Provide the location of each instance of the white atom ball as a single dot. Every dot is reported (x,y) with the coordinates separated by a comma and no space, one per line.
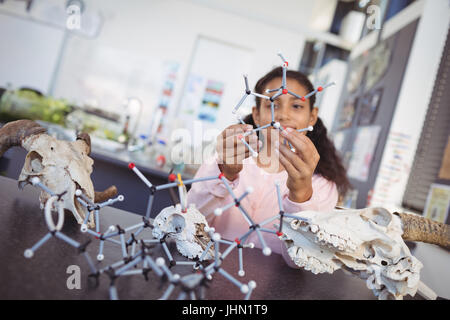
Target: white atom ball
(28,253)
(160,262)
(216,236)
(267,251)
(244,288)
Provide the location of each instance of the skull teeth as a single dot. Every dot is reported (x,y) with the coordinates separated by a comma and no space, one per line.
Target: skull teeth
(332,240)
(309,263)
(324,238)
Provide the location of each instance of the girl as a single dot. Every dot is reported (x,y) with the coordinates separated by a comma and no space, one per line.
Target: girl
(310,175)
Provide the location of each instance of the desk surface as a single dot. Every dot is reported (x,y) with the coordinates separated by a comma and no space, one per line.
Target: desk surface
(44,276)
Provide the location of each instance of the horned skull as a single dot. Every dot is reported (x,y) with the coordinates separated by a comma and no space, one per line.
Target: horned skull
(367,243)
(188,229)
(62,166)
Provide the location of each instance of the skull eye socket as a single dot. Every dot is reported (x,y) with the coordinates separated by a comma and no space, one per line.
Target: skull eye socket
(178,222)
(78,206)
(33,163)
(379,216)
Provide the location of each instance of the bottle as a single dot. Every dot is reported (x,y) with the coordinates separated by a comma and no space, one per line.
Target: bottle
(160,153)
(125,136)
(139,144)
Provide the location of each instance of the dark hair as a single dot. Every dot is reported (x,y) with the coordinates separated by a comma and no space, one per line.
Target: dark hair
(330,164)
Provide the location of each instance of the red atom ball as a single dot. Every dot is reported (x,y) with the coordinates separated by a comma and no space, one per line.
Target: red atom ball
(285,91)
(279,234)
(237,241)
(221,175)
(172,177)
(131,165)
(319,89)
(303,98)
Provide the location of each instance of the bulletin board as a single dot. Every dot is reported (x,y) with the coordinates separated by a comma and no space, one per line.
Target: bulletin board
(367,106)
(438,203)
(213,86)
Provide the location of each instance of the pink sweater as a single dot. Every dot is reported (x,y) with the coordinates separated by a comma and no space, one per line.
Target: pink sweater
(261,204)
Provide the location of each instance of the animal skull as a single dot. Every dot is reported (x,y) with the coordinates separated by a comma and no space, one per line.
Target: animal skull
(367,243)
(62,166)
(186,228)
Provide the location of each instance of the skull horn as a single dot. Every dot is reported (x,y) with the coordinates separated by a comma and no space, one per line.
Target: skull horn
(13,133)
(417,228)
(101,196)
(86,138)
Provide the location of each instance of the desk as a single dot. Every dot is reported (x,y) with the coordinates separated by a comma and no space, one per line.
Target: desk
(44,276)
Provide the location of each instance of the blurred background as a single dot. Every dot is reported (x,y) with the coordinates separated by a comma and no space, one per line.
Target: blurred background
(132,72)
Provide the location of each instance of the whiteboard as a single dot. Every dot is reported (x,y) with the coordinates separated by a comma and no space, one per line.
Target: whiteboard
(215,65)
(29,52)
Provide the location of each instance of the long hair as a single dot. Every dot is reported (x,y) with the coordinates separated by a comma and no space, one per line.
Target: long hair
(330,164)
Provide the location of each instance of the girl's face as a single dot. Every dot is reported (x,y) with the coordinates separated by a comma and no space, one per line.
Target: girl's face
(289,110)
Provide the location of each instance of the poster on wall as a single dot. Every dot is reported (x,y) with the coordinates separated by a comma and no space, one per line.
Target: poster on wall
(381,58)
(166,95)
(390,174)
(338,140)
(369,107)
(192,94)
(211,101)
(213,84)
(356,76)
(347,114)
(363,152)
(438,203)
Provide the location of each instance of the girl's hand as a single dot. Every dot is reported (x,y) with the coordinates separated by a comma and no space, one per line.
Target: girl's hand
(300,165)
(232,151)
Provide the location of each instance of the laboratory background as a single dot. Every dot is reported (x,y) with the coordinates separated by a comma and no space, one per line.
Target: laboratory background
(154,82)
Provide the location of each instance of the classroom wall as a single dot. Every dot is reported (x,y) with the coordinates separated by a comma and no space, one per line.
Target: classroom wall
(167,31)
(29,55)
